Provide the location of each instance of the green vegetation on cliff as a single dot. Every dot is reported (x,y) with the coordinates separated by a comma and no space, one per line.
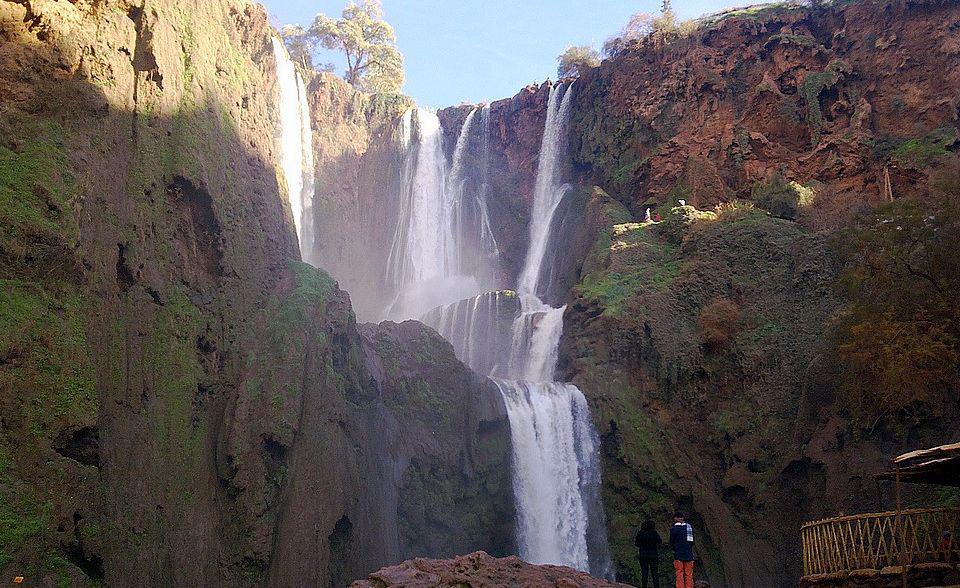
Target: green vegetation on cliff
(812,86)
(702,322)
(46,374)
(920,152)
(374,64)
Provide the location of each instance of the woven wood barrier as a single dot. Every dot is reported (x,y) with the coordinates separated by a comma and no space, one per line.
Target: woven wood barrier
(877,540)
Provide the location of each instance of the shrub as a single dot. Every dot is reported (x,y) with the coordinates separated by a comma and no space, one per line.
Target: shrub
(718,323)
(781,198)
(813,84)
(895,362)
(676,224)
(920,152)
(577,59)
(733,208)
(639,27)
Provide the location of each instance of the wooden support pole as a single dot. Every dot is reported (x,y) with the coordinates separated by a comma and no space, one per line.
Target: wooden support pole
(900,541)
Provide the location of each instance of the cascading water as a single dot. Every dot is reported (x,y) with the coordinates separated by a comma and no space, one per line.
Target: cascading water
(437,253)
(555,464)
(296,147)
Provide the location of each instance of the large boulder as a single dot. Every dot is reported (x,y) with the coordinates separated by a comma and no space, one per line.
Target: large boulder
(479,569)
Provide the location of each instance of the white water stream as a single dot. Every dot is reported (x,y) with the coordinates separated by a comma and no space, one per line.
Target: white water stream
(295,141)
(441,247)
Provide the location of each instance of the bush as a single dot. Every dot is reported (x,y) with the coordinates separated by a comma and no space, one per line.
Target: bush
(895,362)
(781,198)
(639,27)
(676,224)
(718,323)
(919,153)
(898,342)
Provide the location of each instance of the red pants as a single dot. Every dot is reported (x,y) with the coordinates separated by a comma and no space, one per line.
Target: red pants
(684,571)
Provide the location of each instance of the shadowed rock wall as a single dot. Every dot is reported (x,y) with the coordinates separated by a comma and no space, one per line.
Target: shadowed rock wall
(184,402)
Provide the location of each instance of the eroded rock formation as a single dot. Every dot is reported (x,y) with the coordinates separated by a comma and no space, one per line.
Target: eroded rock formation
(704,343)
(181,400)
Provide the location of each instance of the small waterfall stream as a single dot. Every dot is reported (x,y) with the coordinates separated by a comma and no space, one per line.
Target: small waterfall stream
(295,141)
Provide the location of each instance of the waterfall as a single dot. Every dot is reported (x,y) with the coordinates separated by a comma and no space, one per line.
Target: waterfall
(514,338)
(456,171)
(458,181)
(295,143)
(436,254)
(548,191)
(553,444)
(488,243)
(477,327)
(306,228)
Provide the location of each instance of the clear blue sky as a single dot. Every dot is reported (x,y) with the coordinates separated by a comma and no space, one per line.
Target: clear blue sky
(482,50)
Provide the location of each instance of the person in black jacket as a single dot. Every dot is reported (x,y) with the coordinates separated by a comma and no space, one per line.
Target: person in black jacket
(647,542)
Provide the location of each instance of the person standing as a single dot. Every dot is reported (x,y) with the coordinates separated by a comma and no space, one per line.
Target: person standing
(648,543)
(681,540)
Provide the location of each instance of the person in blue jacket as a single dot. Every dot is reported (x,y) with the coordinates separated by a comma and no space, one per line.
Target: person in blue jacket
(681,540)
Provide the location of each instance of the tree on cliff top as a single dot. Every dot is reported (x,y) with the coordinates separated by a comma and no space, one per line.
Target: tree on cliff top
(576,59)
(661,27)
(374,64)
(639,27)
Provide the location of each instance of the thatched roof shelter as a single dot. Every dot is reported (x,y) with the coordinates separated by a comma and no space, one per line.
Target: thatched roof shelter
(937,465)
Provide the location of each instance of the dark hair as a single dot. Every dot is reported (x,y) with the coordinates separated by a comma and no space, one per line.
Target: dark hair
(678,514)
(647,525)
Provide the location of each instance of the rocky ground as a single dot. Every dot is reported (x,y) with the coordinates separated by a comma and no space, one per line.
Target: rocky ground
(478,569)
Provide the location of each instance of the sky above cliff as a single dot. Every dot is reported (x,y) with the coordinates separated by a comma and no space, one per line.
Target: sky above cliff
(476,51)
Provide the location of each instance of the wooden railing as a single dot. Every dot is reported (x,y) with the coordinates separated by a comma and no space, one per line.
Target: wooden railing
(874,541)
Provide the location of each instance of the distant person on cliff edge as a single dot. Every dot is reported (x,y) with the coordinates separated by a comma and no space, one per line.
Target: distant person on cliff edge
(648,542)
(681,540)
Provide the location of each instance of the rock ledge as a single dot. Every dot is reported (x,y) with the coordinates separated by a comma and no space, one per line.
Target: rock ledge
(479,569)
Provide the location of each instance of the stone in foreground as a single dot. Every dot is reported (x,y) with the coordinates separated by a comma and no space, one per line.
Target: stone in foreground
(479,569)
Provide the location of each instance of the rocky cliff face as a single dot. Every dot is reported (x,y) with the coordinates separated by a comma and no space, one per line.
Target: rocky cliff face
(851,98)
(516,130)
(182,399)
(183,402)
(359,164)
(359,159)
(706,343)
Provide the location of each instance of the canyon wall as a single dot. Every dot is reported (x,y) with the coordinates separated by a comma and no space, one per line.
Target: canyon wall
(828,96)
(184,402)
(707,343)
